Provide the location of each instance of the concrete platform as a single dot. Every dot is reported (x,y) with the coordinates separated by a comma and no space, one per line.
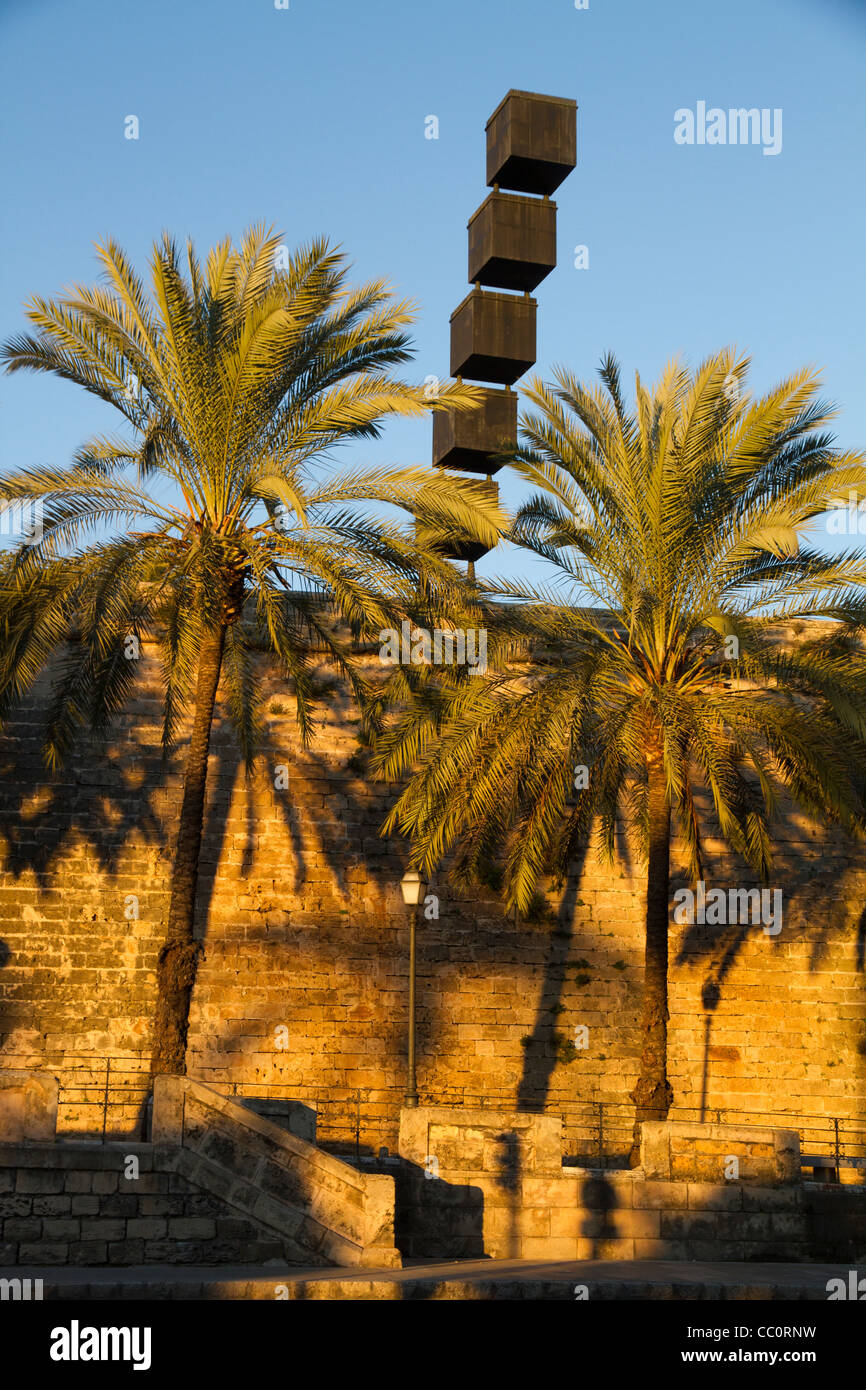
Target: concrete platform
(453,1280)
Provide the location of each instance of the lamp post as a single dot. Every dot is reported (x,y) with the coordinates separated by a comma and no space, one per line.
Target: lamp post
(414,889)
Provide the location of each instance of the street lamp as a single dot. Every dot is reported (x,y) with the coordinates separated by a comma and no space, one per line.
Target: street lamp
(414,890)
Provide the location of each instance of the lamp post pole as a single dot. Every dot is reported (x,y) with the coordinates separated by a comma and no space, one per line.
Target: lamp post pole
(411,1098)
(413,888)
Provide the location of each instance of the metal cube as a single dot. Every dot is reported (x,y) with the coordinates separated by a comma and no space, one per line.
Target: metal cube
(469,439)
(512,241)
(493,336)
(531,142)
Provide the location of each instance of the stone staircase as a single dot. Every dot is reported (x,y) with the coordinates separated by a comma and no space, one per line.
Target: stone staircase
(217,1184)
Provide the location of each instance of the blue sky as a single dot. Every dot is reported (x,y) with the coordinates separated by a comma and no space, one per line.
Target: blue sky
(313,118)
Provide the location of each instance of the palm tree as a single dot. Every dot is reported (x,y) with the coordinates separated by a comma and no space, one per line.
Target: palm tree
(208,523)
(678,536)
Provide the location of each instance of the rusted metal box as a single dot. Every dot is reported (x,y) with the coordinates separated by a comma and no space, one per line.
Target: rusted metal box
(493,336)
(531,142)
(512,241)
(467,439)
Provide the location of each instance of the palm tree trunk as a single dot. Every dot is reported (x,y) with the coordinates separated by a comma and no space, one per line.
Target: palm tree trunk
(178,959)
(652,1094)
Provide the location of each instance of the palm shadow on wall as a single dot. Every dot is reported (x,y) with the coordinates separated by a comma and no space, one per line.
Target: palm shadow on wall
(716,950)
(112,793)
(541,1047)
(117,789)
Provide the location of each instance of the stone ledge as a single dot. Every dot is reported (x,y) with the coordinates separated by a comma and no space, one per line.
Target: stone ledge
(76,1157)
(510,1278)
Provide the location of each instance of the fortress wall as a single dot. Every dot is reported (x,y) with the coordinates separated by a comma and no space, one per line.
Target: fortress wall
(302,990)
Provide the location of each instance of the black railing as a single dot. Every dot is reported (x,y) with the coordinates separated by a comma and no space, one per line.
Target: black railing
(103,1097)
(109,1097)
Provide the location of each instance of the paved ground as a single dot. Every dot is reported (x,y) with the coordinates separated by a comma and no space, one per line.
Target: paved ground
(456,1279)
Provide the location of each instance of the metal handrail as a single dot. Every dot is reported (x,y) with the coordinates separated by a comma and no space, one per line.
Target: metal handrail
(349,1118)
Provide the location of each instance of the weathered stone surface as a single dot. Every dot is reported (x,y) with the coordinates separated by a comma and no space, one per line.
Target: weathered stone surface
(768,1283)
(462,1139)
(28,1106)
(309,1196)
(684,1150)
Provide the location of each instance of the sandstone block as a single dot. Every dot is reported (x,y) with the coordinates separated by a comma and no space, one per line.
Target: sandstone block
(28,1106)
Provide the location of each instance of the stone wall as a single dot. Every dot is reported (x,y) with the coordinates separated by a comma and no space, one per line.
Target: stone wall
(472,1183)
(219,1186)
(620,1215)
(302,991)
(73,1206)
(327,1211)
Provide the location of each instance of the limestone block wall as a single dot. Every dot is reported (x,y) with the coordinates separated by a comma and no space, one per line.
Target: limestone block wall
(302,991)
(74,1206)
(620,1215)
(474,1183)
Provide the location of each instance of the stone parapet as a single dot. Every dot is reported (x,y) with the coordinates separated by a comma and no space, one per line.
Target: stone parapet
(324,1207)
(682,1151)
(460,1139)
(479,1183)
(28,1106)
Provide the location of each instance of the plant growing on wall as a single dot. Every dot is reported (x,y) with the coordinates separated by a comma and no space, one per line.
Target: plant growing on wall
(211,523)
(678,536)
